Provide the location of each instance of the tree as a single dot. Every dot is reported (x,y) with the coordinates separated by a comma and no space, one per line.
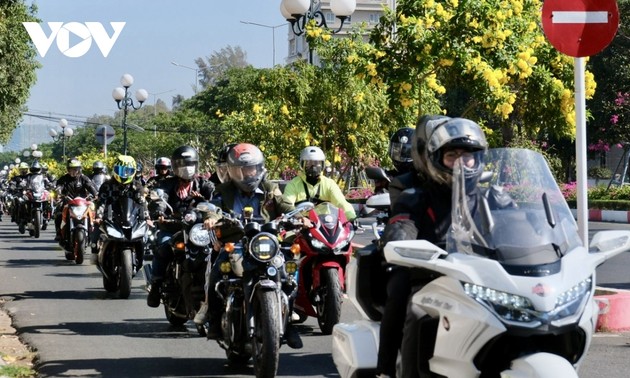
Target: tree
(17,62)
(487,60)
(610,106)
(217,64)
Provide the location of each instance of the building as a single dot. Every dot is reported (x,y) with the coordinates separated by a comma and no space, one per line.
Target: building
(368,11)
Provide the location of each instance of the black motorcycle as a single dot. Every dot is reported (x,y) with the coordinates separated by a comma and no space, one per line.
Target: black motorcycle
(121,244)
(182,289)
(256,286)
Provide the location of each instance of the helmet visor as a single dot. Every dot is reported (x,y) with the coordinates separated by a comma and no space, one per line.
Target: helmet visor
(401,152)
(124,172)
(247,177)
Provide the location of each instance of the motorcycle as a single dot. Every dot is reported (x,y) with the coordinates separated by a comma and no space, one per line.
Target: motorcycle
(76,225)
(326,249)
(121,245)
(257,283)
(36,203)
(182,289)
(510,294)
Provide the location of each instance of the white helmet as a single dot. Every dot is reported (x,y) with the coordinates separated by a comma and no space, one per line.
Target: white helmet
(312,160)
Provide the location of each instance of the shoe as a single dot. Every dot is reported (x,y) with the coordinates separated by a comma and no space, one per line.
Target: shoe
(21,228)
(214,330)
(292,337)
(202,314)
(57,238)
(153,299)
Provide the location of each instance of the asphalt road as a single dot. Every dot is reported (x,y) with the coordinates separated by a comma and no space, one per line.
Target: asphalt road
(61,309)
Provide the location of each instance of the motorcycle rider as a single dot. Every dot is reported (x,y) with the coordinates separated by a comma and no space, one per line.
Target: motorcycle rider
(50,177)
(72,184)
(162,171)
(220,175)
(99,174)
(123,183)
(399,152)
(182,190)
(16,186)
(424,212)
(311,184)
(247,187)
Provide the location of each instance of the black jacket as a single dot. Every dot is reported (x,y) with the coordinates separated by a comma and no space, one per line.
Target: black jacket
(170,187)
(80,186)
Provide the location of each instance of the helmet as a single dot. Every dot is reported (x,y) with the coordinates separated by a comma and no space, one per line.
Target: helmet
(162,164)
(454,133)
(400,149)
(23,168)
(424,128)
(312,161)
(185,161)
(246,166)
(98,167)
(74,167)
(44,167)
(124,169)
(222,156)
(35,167)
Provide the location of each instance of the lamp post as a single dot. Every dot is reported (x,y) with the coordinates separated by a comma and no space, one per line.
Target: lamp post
(190,68)
(300,12)
(66,132)
(273,35)
(124,101)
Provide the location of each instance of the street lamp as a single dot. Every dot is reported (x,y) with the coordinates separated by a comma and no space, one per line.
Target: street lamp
(124,101)
(273,35)
(300,12)
(66,132)
(190,68)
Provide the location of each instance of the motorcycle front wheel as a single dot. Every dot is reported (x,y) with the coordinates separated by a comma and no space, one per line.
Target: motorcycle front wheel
(79,245)
(37,223)
(329,309)
(266,341)
(125,273)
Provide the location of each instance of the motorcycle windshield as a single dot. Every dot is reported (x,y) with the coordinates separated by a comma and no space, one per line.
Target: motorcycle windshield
(516,214)
(37,183)
(328,214)
(125,211)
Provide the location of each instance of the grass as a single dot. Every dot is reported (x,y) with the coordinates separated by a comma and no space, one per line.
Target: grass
(14,371)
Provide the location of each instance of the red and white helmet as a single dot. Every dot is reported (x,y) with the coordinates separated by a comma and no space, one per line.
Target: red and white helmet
(246,166)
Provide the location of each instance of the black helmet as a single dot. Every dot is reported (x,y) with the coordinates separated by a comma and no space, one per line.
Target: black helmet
(400,149)
(222,158)
(98,167)
(423,131)
(185,161)
(35,167)
(455,133)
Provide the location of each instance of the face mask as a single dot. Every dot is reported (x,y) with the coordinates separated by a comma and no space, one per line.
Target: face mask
(186,172)
(313,172)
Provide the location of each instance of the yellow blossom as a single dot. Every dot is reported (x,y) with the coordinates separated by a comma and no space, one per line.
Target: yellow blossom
(257,108)
(284,110)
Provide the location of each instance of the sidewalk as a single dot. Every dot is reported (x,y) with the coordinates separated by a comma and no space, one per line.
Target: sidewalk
(12,351)
(614,216)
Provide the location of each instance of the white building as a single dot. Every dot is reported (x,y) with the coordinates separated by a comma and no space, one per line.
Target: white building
(368,11)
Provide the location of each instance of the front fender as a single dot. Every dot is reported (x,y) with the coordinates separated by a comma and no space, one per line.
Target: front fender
(540,365)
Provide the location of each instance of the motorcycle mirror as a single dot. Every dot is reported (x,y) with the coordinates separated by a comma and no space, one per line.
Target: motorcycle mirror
(376,173)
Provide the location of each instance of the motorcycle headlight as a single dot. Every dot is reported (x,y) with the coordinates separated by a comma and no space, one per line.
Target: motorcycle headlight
(78,211)
(199,236)
(113,233)
(317,244)
(515,309)
(264,246)
(190,217)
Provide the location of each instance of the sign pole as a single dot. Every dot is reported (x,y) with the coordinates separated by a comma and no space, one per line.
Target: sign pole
(580,147)
(105,148)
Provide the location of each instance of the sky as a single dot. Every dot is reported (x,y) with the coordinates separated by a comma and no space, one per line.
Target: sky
(156,33)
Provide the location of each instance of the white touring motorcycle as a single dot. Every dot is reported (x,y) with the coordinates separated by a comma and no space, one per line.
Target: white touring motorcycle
(511,295)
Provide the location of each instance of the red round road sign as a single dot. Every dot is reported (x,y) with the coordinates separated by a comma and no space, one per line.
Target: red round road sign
(580,28)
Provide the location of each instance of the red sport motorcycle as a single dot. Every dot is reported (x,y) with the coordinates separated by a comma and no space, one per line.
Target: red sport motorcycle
(325,251)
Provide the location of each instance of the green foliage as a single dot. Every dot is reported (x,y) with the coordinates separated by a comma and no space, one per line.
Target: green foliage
(17,63)
(482,59)
(14,371)
(600,173)
(554,162)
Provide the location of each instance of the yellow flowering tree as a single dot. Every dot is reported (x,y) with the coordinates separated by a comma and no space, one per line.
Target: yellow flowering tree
(483,59)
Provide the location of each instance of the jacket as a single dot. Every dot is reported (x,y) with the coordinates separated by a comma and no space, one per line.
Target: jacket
(326,190)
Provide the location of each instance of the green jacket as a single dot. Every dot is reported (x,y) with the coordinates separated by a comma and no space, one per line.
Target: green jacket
(272,204)
(326,190)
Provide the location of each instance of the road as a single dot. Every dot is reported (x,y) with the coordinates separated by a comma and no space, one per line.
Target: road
(78,329)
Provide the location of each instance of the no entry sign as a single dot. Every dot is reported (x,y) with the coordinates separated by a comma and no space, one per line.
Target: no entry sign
(580,28)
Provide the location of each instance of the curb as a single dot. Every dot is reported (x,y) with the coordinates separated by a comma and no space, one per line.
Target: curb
(614,307)
(614,216)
